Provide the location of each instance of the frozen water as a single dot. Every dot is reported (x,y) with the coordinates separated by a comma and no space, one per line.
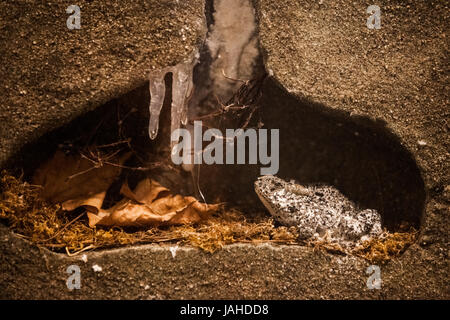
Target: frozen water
(182,86)
(157,93)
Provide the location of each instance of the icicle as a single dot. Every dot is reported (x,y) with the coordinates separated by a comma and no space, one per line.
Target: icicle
(184,113)
(157,92)
(182,86)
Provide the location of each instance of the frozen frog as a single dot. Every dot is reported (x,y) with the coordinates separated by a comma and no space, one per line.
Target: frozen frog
(317,210)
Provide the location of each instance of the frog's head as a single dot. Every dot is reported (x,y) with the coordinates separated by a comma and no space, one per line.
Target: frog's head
(269,184)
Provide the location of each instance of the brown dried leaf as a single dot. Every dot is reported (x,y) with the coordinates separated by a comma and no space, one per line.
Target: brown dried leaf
(91,203)
(152,205)
(75,181)
(145,192)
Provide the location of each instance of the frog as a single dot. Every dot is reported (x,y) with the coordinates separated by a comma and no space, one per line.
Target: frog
(317,210)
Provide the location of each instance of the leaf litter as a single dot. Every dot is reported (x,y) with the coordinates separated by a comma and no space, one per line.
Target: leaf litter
(63,210)
(149,214)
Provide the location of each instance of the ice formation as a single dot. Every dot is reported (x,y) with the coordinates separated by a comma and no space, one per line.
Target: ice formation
(182,86)
(233,45)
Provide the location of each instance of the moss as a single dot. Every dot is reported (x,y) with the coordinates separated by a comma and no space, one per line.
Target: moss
(49,226)
(383,249)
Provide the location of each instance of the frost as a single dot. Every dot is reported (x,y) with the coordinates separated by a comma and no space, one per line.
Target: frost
(182,86)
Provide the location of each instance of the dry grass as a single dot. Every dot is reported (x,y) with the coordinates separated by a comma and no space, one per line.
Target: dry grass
(49,226)
(383,249)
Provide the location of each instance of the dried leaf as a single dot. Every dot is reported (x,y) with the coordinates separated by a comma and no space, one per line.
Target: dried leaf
(75,181)
(91,203)
(146,191)
(152,205)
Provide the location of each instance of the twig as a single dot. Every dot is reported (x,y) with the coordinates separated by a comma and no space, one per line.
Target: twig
(22,236)
(115,143)
(79,251)
(82,172)
(247,121)
(229,78)
(152,166)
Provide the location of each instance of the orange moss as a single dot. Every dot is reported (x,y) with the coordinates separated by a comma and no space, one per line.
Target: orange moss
(49,226)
